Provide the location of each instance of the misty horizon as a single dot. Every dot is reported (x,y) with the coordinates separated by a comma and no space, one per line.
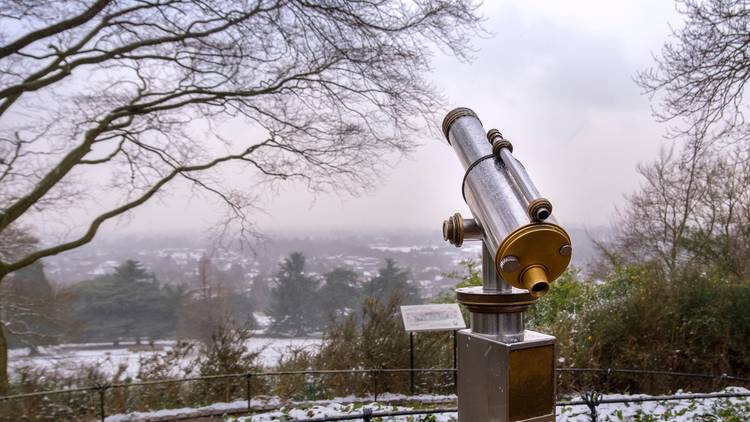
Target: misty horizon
(557,83)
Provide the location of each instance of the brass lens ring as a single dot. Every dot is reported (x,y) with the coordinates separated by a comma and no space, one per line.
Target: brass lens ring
(536,244)
(539,209)
(454,115)
(499,145)
(498,142)
(453,229)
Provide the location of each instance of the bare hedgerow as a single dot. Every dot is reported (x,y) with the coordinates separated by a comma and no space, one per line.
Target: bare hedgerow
(374,338)
(228,352)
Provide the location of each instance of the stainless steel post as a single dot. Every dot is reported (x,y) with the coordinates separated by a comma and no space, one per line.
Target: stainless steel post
(507,327)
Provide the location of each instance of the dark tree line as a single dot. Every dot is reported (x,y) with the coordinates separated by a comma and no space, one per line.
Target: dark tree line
(131,304)
(302,303)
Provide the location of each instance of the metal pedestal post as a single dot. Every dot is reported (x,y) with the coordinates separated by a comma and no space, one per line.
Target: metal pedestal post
(505,373)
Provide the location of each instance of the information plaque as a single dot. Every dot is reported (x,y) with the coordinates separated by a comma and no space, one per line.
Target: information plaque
(442,317)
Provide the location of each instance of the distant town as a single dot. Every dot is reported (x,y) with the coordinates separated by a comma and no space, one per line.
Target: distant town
(175,259)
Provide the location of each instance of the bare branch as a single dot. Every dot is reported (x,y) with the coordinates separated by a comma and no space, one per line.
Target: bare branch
(6,268)
(139,92)
(56,28)
(700,76)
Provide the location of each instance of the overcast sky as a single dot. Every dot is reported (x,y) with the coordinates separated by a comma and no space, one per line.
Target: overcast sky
(554,77)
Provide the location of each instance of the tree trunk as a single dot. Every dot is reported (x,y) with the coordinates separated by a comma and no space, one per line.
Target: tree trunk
(3,361)
(4,382)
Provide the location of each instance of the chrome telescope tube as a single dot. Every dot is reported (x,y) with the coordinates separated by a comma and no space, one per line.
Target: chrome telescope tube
(530,250)
(487,187)
(539,208)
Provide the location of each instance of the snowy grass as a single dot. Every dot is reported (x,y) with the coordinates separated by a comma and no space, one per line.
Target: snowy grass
(188,412)
(730,409)
(109,359)
(338,409)
(288,409)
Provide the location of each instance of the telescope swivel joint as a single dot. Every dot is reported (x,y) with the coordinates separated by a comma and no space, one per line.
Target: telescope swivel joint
(456,229)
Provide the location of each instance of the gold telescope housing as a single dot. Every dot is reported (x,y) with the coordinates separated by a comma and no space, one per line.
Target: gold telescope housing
(538,253)
(540,250)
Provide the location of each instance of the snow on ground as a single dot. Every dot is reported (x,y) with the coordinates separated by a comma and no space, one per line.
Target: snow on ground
(336,409)
(679,411)
(281,409)
(682,410)
(189,412)
(109,358)
(672,410)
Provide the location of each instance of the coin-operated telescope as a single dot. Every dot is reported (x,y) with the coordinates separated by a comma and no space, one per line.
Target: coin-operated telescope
(505,373)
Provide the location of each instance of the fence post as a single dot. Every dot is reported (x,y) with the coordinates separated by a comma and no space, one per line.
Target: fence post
(607,376)
(102,389)
(367,414)
(455,371)
(375,382)
(411,362)
(248,392)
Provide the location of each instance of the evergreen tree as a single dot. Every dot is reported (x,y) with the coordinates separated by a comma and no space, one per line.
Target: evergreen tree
(260,292)
(130,303)
(293,299)
(131,271)
(341,292)
(391,280)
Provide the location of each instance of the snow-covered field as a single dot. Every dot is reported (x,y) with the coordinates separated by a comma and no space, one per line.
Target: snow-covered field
(682,410)
(109,358)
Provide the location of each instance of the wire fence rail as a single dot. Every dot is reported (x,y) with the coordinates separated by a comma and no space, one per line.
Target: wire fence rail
(591,399)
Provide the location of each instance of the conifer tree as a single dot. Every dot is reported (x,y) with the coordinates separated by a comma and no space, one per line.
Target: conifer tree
(128,304)
(341,292)
(391,280)
(294,307)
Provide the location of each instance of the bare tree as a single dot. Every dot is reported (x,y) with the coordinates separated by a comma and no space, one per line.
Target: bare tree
(30,309)
(106,103)
(211,304)
(701,73)
(692,211)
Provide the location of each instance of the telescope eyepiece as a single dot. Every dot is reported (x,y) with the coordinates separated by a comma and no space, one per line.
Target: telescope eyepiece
(540,209)
(534,279)
(542,214)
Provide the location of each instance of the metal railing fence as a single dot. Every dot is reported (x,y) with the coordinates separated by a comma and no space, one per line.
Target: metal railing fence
(591,399)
